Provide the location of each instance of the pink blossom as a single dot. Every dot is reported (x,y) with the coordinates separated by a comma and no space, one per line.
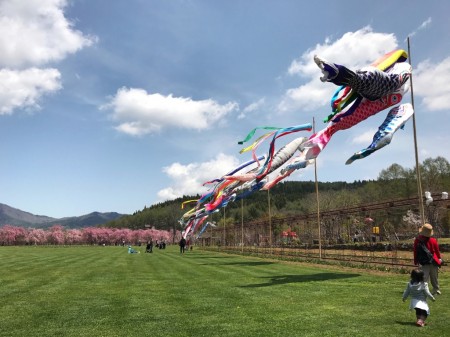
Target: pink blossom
(58,235)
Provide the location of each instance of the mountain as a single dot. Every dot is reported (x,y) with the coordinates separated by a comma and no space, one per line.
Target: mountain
(89,220)
(16,217)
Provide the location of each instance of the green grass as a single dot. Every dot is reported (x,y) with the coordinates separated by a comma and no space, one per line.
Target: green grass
(104,291)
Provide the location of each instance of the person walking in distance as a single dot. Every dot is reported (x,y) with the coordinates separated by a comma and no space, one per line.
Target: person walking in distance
(182,245)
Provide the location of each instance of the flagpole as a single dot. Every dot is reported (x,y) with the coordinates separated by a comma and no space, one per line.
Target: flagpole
(224,222)
(419,178)
(317,199)
(270,222)
(242,225)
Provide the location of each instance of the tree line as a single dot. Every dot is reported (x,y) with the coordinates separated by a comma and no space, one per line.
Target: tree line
(58,235)
(299,197)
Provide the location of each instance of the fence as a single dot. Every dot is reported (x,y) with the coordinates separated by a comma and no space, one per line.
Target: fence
(349,236)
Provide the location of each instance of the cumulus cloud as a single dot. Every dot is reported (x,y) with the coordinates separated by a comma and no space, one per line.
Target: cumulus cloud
(353,49)
(34,32)
(255,106)
(139,112)
(23,88)
(188,179)
(364,138)
(432,84)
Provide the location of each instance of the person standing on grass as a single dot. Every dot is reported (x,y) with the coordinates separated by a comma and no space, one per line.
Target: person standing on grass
(419,292)
(149,248)
(431,268)
(182,245)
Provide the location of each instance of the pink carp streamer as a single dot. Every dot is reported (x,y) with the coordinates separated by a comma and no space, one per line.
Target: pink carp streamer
(366,108)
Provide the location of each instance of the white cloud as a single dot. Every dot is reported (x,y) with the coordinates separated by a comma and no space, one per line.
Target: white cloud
(309,97)
(432,84)
(255,106)
(35,32)
(353,49)
(24,88)
(188,179)
(425,24)
(365,138)
(139,112)
(422,26)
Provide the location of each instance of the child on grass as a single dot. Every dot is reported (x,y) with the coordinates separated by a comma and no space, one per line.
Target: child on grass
(418,289)
(132,251)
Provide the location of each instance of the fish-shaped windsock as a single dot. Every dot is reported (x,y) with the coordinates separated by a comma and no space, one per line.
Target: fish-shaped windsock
(296,164)
(245,191)
(365,109)
(396,119)
(360,109)
(277,160)
(369,82)
(346,95)
(203,229)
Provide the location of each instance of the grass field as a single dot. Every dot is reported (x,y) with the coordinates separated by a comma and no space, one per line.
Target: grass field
(104,291)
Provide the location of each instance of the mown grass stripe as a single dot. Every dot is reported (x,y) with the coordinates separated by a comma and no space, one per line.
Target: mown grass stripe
(104,291)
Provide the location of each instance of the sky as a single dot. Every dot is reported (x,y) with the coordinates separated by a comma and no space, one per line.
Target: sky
(113,106)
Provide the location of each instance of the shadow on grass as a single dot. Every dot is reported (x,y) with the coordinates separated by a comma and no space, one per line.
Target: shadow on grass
(206,256)
(283,279)
(405,323)
(247,263)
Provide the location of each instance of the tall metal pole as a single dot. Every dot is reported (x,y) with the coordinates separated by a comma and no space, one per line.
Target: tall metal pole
(242,225)
(211,236)
(317,200)
(270,222)
(419,178)
(224,222)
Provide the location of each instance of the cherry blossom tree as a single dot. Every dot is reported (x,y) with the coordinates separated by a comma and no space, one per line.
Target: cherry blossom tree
(58,235)
(10,235)
(55,235)
(74,236)
(37,236)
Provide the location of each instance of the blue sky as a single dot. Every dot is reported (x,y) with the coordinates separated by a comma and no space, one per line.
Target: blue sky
(117,105)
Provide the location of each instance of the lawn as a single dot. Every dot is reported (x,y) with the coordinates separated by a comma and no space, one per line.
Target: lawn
(104,291)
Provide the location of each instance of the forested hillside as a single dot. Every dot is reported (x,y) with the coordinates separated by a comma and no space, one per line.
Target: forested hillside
(296,197)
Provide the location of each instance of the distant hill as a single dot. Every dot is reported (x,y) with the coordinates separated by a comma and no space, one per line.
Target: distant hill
(16,217)
(89,220)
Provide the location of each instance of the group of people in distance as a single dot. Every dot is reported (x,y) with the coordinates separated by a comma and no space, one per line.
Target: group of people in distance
(184,245)
(149,246)
(162,245)
(427,271)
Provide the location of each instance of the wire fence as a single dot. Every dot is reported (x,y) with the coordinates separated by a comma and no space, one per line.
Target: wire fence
(372,235)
